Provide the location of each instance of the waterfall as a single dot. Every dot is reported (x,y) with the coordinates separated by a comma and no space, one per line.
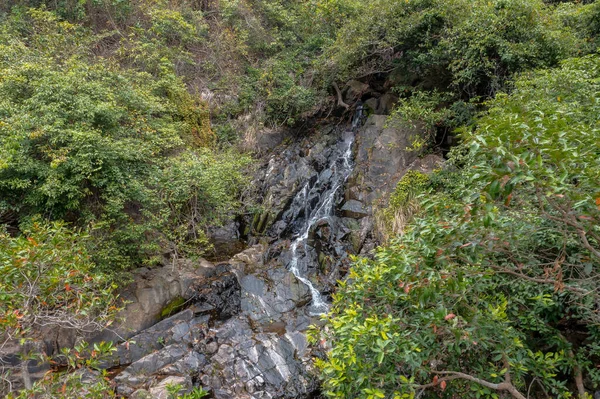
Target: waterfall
(341,168)
(359,115)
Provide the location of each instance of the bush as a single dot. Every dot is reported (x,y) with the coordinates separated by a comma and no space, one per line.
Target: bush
(473,47)
(492,290)
(393,219)
(48,281)
(85,141)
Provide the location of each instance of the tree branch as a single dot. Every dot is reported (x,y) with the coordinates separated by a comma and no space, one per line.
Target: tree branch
(503,386)
(455,375)
(339,96)
(575,290)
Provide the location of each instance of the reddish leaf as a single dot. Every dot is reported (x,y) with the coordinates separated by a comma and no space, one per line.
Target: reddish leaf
(443,385)
(450,316)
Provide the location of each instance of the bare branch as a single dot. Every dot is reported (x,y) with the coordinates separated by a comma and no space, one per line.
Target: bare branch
(576,290)
(339,96)
(454,375)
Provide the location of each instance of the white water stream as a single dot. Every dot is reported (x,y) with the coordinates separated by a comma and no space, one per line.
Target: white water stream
(341,168)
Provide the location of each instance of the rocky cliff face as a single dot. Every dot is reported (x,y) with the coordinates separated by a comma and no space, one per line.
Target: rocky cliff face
(238,327)
(240,337)
(243,332)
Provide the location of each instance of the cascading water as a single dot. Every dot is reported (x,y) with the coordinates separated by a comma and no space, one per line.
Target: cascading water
(333,178)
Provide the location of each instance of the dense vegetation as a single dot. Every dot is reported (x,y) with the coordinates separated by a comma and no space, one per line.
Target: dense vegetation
(91,143)
(106,163)
(120,128)
(493,287)
(490,288)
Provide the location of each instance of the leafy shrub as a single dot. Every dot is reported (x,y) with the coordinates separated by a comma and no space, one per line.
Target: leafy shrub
(393,219)
(48,281)
(84,141)
(80,376)
(492,290)
(472,47)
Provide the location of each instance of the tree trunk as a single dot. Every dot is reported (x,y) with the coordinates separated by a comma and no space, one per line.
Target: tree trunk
(25,374)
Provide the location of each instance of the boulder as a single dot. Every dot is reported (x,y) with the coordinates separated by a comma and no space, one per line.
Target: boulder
(268,139)
(226,240)
(219,296)
(252,365)
(184,327)
(383,155)
(354,90)
(354,209)
(386,104)
(372,104)
(151,291)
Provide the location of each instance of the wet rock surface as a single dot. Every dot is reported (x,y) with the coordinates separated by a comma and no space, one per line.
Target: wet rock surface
(243,333)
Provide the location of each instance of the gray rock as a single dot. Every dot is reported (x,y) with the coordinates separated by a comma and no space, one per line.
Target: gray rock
(383,156)
(161,390)
(266,298)
(220,295)
(268,363)
(141,394)
(226,240)
(354,209)
(150,292)
(182,328)
(268,139)
(153,362)
(386,104)
(372,104)
(354,89)
(190,364)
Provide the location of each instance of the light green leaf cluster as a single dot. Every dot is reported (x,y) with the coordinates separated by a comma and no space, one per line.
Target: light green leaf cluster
(499,271)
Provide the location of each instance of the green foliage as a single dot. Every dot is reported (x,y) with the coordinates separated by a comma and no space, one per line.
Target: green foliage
(286,99)
(159,32)
(174,392)
(81,376)
(445,57)
(498,274)
(423,108)
(471,46)
(85,141)
(411,184)
(393,219)
(284,48)
(197,393)
(48,279)
(173,307)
